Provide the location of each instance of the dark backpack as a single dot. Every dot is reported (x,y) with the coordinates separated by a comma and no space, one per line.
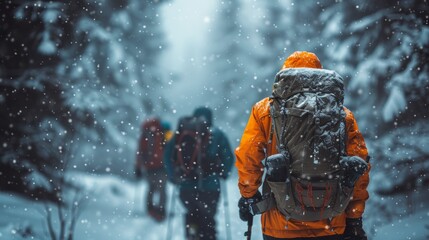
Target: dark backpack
(151,144)
(308,121)
(191,160)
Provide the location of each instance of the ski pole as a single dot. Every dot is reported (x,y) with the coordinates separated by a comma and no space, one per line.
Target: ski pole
(248,234)
(226,208)
(171,212)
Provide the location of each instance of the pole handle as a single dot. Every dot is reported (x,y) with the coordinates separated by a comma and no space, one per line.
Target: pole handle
(248,234)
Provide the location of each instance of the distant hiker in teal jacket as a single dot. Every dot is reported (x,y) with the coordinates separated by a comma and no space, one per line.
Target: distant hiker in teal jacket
(196,158)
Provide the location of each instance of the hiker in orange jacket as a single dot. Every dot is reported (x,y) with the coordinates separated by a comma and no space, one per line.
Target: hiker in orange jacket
(257,143)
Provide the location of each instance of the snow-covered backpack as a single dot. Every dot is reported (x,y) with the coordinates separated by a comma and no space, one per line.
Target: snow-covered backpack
(151,145)
(190,157)
(308,121)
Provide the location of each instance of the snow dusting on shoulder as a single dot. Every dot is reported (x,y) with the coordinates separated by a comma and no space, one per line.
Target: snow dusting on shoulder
(262,106)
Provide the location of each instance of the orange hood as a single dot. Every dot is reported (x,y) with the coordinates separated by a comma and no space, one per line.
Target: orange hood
(302,59)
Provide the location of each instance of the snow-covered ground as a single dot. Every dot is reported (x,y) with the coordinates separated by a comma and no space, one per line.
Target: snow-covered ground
(114,210)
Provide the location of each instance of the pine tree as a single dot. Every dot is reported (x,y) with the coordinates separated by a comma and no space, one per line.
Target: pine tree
(382,50)
(274,44)
(227,64)
(75,80)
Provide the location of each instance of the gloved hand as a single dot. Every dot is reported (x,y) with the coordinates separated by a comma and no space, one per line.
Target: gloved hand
(138,172)
(354,167)
(354,230)
(244,206)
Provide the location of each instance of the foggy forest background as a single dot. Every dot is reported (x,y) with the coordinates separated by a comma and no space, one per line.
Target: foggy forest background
(77,78)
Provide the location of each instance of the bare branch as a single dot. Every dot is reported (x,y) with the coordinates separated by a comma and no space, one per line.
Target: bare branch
(74,214)
(50,225)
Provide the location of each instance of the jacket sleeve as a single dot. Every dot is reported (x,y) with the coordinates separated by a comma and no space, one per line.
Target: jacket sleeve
(356,147)
(250,154)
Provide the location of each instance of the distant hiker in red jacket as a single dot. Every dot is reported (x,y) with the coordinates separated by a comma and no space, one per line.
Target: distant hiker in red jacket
(154,134)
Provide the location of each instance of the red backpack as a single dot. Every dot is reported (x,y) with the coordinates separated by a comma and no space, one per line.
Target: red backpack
(191,161)
(151,145)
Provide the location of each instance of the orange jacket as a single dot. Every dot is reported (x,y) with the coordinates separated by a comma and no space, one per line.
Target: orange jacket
(249,155)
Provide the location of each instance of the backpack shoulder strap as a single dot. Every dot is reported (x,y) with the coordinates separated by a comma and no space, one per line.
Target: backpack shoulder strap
(274,127)
(268,201)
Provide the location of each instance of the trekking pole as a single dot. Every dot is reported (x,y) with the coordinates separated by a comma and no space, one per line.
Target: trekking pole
(171,212)
(136,197)
(248,234)
(226,208)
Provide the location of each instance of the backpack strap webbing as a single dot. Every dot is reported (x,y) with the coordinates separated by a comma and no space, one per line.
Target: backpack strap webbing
(267,203)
